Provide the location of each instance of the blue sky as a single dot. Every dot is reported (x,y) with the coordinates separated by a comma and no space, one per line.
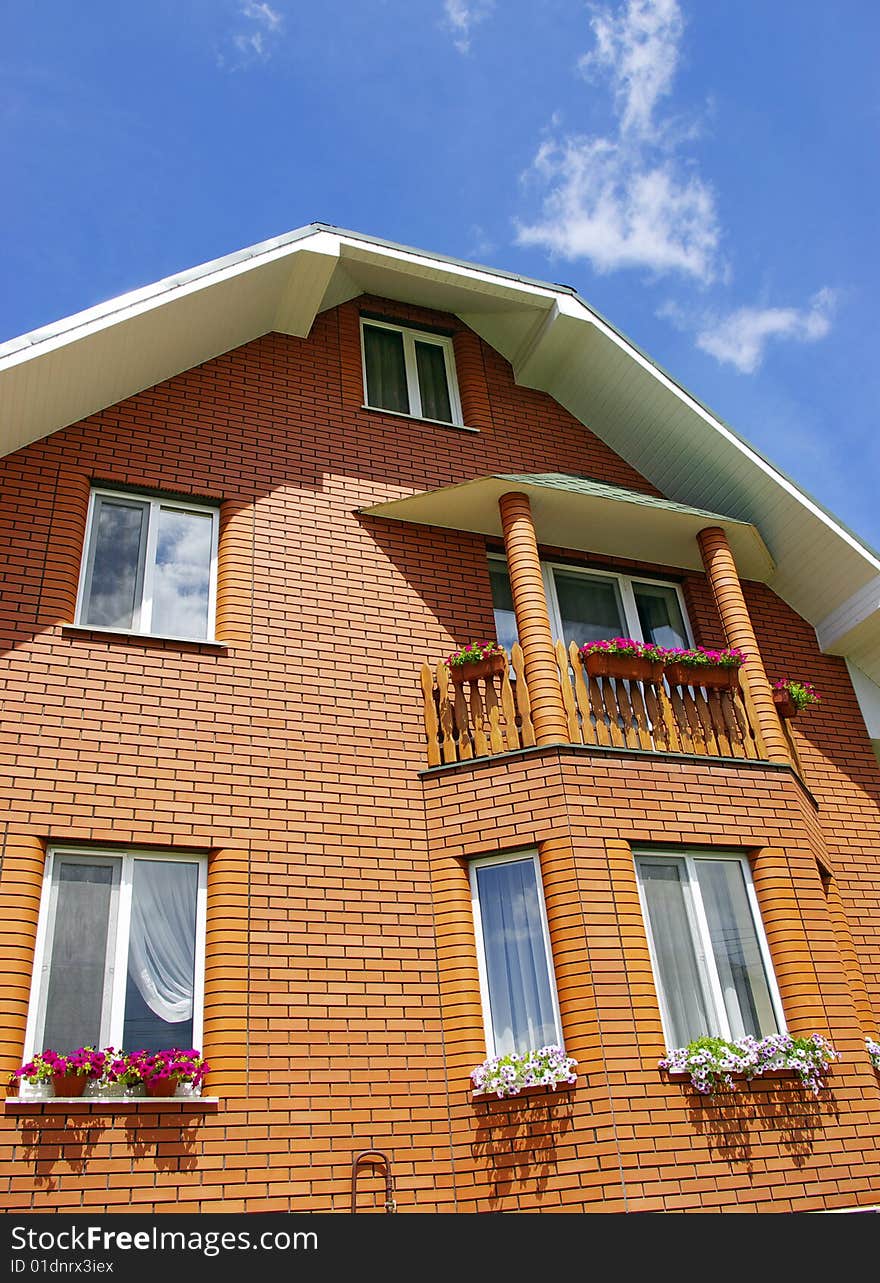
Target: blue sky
(704,174)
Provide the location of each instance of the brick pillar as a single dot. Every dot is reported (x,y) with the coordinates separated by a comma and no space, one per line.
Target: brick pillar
(21,886)
(533,620)
(225,1041)
(849,957)
(727,590)
(790,949)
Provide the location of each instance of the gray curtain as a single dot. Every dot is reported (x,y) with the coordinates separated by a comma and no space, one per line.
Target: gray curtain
(433,387)
(386,369)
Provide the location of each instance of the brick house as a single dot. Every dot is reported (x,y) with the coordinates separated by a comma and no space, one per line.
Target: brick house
(246,513)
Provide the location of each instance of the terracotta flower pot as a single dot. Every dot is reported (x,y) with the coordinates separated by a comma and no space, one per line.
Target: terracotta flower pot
(785,705)
(633,668)
(477,668)
(69,1084)
(161,1086)
(712,676)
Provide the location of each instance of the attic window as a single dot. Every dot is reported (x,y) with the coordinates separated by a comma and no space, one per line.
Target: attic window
(410,371)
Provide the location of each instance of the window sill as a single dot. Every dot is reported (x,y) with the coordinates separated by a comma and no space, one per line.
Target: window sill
(102,1104)
(414,418)
(120,634)
(755,1080)
(539,1089)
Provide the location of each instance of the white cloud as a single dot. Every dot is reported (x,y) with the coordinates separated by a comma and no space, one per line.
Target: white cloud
(602,206)
(740,338)
(256,42)
(628,200)
(462,15)
(482,245)
(638,48)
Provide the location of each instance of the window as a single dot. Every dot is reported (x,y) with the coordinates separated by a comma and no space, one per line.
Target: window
(150,566)
(410,372)
(591,605)
(120,952)
(513,951)
(711,961)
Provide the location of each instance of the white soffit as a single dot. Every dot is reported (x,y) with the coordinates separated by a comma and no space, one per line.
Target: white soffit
(61,374)
(585,516)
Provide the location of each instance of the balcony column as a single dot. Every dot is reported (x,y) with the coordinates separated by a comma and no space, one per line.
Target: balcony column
(533,620)
(727,590)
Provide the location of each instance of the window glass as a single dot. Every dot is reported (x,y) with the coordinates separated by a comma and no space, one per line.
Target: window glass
(433,386)
(660,615)
(149,567)
(517,972)
(502,603)
(687,1010)
(183,573)
(161,955)
(117,563)
(120,964)
(709,965)
(585,607)
(78,955)
(589,608)
(386,369)
(735,948)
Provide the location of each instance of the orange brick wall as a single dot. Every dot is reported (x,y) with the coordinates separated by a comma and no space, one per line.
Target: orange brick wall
(340,1003)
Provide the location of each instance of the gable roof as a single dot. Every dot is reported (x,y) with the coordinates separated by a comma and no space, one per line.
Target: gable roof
(552,338)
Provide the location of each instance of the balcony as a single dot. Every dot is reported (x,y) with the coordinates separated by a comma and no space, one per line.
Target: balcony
(493,715)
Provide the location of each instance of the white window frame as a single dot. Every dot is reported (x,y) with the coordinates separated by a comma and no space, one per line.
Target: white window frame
(700,938)
(143,608)
(625,586)
(513,857)
(116,962)
(410,338)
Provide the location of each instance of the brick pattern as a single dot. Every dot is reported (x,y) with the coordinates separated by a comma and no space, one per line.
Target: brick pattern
(342,1006)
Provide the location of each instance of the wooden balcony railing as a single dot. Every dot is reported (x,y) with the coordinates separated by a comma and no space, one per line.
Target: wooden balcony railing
(492,715)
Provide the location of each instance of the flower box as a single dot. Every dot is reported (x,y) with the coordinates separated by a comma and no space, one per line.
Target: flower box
(623,658)
(711,1063)
(511,1074)
(785,705)
(632,668)
(474,669)
(791,696)
(711,676)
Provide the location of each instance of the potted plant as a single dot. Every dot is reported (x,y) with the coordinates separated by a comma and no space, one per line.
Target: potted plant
(68,1074)
(37,1072)
(624,657)
(163,1072)
(699,666)
(477,659)
(873,1047)
(122,1075)
(791,696)
(510,1074)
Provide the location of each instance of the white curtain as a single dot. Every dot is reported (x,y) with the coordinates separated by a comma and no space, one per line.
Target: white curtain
(679,978)
(735,949)
(161,951)
(520,997)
